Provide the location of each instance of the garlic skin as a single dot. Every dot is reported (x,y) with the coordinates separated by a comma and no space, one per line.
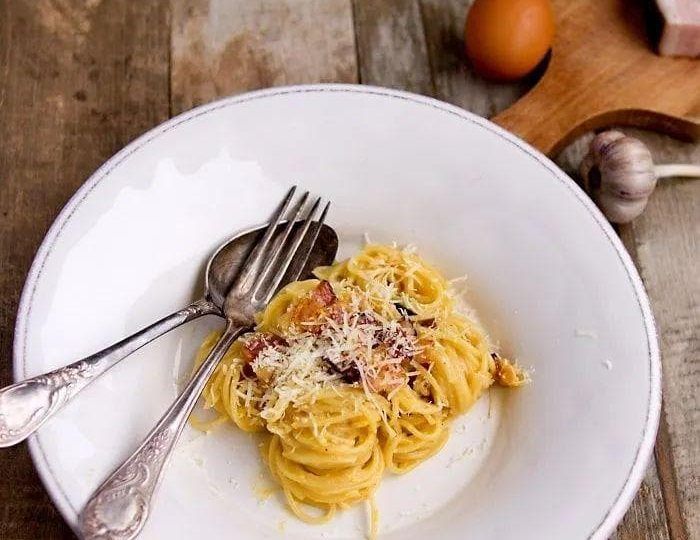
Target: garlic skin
(619,174)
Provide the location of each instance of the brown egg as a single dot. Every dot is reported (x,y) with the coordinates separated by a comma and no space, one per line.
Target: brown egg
(506,39)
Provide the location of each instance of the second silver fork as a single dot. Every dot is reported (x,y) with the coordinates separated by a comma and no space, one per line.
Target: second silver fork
(120,507)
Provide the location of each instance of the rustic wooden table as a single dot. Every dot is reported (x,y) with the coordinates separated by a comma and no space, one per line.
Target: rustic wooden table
(81,78)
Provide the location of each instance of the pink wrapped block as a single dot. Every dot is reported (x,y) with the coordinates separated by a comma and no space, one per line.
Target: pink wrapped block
(680,33)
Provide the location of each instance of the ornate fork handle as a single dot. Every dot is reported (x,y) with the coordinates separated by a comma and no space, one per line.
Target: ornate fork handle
(26,405)
(119,508)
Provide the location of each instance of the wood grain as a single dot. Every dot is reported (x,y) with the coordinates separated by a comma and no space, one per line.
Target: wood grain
(391,48)
(663,243)
(667,240)
(453,81)
(646,517)
(79,79)
(223,48)
(603,71)
(75,87)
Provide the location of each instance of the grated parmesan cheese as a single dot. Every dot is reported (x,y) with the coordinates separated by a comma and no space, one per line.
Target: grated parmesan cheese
(362,348)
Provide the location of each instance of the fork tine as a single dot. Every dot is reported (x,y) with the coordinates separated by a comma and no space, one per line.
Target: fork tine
(252,262)
(279,243)
(300,262)
(292,251)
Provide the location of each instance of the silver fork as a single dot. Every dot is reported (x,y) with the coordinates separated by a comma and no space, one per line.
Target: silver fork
(119,508)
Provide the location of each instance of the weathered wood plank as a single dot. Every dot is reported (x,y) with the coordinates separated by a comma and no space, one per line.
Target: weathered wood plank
(664,464)
(223,48)
(655,512)
(72,80)
(663,243)
(75,86)
(667,241)
(646,517)
(454,82)
(391,47)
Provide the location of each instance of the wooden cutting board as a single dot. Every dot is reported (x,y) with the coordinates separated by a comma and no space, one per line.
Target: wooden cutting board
(603,71)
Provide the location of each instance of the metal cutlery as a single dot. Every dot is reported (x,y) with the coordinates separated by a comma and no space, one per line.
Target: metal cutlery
(27,404)
(120,507)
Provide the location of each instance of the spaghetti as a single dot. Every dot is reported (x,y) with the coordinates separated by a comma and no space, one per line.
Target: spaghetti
(355,372)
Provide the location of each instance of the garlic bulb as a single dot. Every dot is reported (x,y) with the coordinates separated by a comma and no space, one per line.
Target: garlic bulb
(619,173)
(625,170)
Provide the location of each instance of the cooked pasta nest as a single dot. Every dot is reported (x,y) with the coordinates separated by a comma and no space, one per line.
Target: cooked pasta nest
(355,372)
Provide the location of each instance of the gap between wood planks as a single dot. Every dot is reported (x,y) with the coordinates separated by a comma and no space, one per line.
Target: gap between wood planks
(80,79)
(663,244)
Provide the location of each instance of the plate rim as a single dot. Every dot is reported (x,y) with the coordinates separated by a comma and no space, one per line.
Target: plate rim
(635,475)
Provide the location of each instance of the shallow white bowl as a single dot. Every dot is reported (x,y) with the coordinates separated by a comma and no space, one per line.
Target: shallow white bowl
(561,458)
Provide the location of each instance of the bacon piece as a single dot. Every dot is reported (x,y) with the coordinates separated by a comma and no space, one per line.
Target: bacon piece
(349,373)
(318,304)
(429,322)
(334,312)
(390,376)
(323,294)
(393,341)
(259,342)
(248,371)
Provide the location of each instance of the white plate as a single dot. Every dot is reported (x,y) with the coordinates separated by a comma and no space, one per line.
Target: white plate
(561,458)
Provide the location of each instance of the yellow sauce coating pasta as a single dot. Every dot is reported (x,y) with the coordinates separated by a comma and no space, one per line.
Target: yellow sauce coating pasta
(354,373)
